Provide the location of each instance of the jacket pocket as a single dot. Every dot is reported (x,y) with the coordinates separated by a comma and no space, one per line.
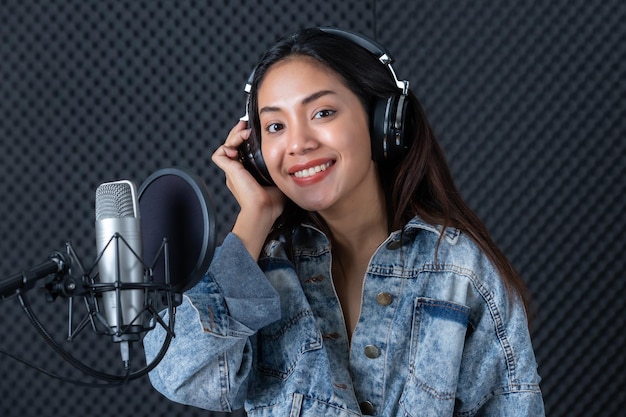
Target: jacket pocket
(282,344)
(437,339)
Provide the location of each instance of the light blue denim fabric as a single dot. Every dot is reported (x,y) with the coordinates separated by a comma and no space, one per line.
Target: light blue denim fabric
(437,335)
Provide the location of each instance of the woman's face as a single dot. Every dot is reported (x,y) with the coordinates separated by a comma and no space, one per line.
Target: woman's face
(315,137)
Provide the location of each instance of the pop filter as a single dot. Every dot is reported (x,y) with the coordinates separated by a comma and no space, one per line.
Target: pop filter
(175,205)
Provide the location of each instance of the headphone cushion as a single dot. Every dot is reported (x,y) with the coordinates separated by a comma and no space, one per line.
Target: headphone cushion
(387,129)
(252,159)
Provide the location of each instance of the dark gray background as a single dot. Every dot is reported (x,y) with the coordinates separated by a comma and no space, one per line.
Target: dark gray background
(527,98)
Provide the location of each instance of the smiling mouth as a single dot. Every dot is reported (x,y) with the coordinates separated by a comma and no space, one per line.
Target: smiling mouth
(312,171)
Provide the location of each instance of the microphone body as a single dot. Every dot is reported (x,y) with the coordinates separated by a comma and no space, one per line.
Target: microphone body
(119,245)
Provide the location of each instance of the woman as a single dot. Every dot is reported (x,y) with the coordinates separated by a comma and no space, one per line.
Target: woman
(359,282)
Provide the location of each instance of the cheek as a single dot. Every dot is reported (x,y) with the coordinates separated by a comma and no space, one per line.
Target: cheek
(358,145)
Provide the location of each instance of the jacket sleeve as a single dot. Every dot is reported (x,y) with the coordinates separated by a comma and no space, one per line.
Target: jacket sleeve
(499,376)
(209,360)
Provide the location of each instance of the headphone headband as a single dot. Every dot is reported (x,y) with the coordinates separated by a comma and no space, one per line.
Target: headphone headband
(373,47)
(376,49)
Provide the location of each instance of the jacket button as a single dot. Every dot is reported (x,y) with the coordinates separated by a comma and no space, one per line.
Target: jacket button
(394,244)
(372,351)
(367,408)
(316,278)
(384,298)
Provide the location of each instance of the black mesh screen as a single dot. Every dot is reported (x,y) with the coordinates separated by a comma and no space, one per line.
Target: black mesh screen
(526,97)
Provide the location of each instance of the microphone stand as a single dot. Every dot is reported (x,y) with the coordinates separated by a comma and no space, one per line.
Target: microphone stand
(67,286)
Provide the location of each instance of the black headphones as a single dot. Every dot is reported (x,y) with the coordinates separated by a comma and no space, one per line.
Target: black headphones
(388,116)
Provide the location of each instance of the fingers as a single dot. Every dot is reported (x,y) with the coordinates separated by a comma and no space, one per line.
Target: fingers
(259,206)
(237,135)
(229,149)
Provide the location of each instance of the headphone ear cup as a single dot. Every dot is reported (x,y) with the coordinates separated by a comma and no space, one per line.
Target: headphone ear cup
(252,159)
(377,131)
(387,132)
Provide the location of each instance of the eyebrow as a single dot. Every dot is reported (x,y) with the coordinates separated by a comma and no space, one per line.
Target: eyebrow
(305,101)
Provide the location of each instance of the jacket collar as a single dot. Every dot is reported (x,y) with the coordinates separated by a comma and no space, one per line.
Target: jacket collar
(450,234)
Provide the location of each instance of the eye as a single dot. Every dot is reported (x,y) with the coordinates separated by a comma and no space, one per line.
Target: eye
(324,113)
(274,127)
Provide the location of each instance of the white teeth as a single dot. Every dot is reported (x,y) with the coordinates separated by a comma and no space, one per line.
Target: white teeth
(311,171)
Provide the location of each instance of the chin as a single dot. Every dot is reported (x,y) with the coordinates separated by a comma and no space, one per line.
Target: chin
(311,205)
(309,198)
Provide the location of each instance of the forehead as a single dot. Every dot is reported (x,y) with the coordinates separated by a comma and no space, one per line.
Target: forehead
(298,71)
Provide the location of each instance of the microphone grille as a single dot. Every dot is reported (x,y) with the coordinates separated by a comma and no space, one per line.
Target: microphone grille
(115,200)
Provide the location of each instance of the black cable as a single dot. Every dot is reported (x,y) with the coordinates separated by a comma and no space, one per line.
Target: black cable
(81,366)
(63,379)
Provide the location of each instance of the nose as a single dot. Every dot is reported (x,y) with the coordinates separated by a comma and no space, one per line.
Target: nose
(301,139)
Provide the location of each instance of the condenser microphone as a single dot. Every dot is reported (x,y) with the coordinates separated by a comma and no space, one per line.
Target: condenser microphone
(144,263)
(120,264)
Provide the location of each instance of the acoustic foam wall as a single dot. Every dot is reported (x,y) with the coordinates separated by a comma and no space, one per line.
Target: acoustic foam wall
(526,97)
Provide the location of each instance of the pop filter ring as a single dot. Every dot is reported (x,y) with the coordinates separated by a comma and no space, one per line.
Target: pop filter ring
(173,198)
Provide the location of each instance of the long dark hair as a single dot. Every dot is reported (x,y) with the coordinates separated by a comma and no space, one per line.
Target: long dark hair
(421,184)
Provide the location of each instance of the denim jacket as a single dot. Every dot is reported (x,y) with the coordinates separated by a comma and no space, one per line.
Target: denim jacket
(438,334)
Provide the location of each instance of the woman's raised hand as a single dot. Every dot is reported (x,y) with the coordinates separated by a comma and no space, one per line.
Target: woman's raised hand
(259,206)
